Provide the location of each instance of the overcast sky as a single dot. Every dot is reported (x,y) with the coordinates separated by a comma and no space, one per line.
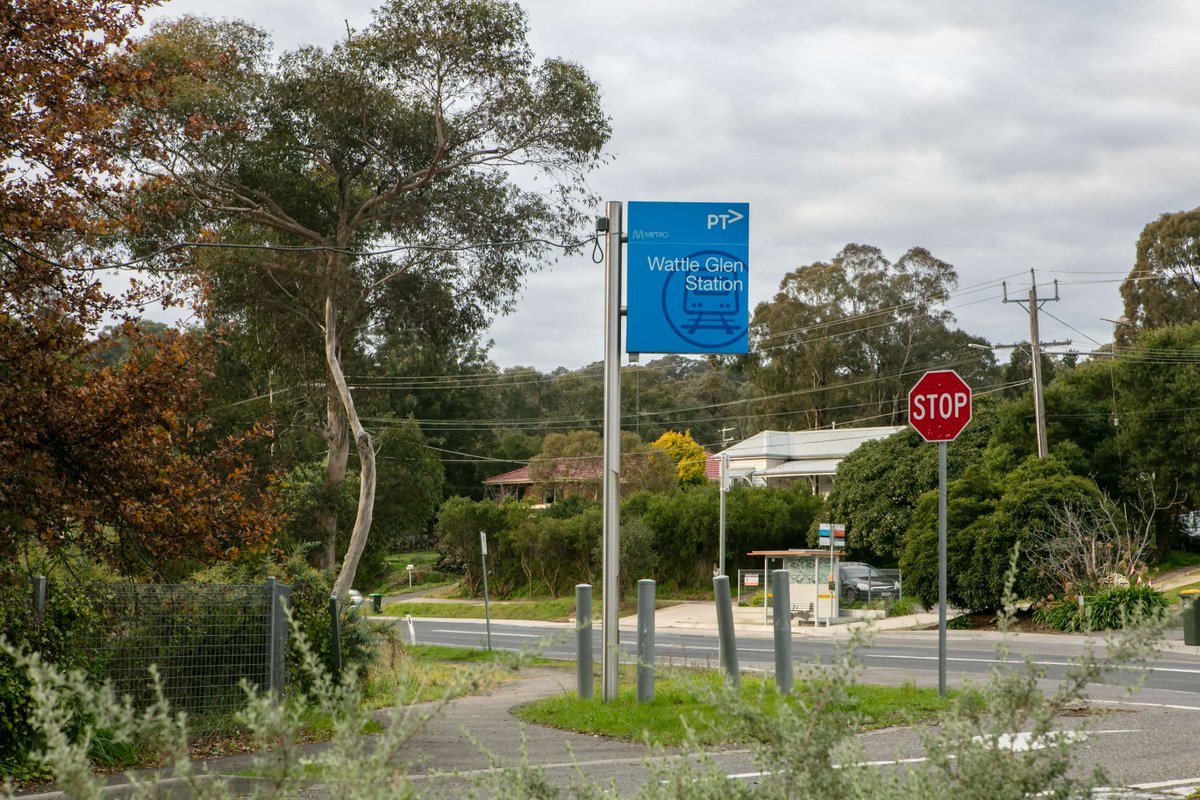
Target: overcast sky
(1001,136)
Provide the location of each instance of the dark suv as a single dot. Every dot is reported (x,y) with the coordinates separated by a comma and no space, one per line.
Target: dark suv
(864,582)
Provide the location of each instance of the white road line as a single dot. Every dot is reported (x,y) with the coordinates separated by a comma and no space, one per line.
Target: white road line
(1019,742)
(494,633)
(1165,784)
(1147,705)
(1041,663)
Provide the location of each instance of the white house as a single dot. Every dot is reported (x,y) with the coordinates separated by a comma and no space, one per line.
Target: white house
(780,458)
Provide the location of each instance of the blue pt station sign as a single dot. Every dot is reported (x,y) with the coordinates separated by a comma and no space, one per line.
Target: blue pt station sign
(687,277)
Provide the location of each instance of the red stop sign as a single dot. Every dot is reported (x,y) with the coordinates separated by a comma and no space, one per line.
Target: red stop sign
(939,406)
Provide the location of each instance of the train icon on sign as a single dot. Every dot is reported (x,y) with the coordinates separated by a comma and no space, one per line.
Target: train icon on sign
(711,298)
(710,309)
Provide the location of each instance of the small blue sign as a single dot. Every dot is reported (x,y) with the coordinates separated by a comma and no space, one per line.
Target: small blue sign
(687,278)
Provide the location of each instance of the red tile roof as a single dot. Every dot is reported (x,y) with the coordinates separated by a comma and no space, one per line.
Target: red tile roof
(518,475)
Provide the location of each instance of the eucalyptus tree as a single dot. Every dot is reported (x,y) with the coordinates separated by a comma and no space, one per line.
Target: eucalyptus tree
(845,339)
(433,133)
(1163,288)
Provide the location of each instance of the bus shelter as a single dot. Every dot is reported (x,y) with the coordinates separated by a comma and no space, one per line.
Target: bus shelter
(813,581)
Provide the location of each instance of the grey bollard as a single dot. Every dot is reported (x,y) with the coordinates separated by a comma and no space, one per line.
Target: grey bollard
(782,609)
(645,641)
(583,640)
(729,659)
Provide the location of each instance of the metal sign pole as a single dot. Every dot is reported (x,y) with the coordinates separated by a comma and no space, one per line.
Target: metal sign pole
(724,492)
(487,612)
(942,569)
(610,602)
(939,407)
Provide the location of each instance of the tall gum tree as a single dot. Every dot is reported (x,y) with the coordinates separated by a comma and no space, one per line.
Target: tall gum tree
(433,131)
(1163,288)
(843,340)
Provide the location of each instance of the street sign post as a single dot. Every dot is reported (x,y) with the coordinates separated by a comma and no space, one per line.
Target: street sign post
(831,535)
(939,407)
(687,278)
(687,289)
(487,611)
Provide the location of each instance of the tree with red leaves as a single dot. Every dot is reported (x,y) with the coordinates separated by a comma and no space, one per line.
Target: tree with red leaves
(109,459)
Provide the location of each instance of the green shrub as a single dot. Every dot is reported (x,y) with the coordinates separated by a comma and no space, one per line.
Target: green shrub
(1108,610)
(902,608)
(756,599)
(310,609)
(57,637)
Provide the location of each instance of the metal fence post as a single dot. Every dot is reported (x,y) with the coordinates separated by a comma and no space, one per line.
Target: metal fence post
(781,588)
(272,633)
(729,659)
(583,640)
(645,642)
(335,635)
(283,601)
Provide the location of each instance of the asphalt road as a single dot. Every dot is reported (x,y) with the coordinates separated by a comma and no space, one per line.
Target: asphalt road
(910,655)
(1143,738)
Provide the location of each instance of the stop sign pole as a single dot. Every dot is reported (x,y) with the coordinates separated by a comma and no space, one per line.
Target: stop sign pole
(939,407)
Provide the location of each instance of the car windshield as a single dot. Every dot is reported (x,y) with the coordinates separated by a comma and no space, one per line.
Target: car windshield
(861,571)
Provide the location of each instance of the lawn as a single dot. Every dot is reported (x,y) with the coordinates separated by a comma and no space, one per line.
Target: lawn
(425,574)
(1172,595)
(684,699)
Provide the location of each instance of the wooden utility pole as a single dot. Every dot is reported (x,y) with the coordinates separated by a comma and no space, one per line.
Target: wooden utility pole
(1035,346)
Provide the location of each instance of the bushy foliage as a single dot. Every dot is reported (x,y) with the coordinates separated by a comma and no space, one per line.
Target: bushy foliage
(689,457)
(878,485)
(986,517)
(1111,609)
(459,523)
(670,537)
(530,551)
(56,635)
(685,524)
(311,589)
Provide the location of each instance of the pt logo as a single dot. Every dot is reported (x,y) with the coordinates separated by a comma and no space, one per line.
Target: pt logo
(724,220)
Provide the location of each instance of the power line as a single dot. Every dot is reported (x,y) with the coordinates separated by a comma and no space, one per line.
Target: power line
(136,263)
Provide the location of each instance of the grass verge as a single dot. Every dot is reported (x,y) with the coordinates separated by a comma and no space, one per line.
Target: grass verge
(1172,595)
(422,673)
(683,700)
(546,610)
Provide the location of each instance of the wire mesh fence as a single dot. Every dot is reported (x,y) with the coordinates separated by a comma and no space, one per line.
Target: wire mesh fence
(751,587)
(204,640)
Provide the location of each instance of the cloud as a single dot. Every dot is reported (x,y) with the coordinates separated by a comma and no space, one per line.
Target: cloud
(1002,136)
